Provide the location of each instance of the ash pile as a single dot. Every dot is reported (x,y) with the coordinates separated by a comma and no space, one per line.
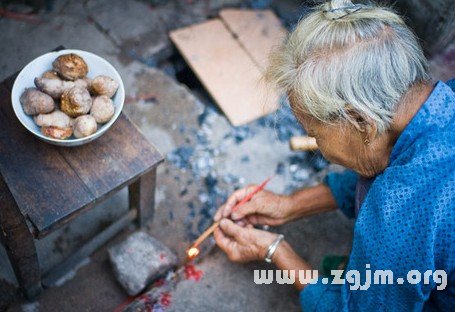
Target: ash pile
(226,158)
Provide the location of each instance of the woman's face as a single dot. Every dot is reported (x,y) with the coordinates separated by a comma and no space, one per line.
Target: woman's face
(335,141)
(342,143)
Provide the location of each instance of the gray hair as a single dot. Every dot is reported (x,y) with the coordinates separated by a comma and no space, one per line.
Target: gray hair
(343,56)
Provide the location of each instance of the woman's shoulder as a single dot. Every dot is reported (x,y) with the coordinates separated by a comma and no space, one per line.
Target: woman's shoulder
(426,169)
(418,196)
(412,206)
(420,187)
(428,139)
(430,153)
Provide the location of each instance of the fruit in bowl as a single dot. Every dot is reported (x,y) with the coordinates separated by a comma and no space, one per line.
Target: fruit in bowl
(75,97)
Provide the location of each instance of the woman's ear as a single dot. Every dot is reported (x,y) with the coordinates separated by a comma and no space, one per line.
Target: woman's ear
(365,125)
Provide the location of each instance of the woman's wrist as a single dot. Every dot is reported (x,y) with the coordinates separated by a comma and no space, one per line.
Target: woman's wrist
(263,248)
(281,252)
(288,206)
(311,201)
(285,258)
(273,247)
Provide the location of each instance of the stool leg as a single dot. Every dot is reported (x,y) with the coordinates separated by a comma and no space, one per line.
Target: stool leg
(19,244)
(142,197)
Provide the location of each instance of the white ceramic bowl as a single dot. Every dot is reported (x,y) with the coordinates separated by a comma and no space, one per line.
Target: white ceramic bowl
(96,65)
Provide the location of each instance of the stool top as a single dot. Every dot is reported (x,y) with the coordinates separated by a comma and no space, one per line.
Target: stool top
(52,184)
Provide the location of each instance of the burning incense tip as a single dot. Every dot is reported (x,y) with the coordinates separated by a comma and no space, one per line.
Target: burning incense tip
(192,252)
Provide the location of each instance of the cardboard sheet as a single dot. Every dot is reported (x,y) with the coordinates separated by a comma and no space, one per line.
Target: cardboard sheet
(257,31)
(229,56)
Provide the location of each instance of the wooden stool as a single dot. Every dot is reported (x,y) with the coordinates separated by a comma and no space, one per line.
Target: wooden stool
(43,187)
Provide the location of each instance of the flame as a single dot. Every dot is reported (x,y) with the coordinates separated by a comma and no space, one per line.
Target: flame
(192,252)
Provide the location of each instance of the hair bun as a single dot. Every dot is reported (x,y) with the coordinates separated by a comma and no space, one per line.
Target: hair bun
(337,9)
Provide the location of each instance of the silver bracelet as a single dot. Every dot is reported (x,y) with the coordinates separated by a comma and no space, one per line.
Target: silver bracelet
(272,248)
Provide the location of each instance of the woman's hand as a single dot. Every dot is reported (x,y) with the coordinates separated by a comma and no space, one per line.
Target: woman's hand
(265,208)
(243,244)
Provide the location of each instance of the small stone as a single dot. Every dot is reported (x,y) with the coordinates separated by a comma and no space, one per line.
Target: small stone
(203,197)
(181,157)
(280,168)
(293,168)
(245,159)
(241,133)
(139,260)
(301,175)
(230,179)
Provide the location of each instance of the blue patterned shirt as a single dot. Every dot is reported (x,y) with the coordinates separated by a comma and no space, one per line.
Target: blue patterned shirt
(406,221)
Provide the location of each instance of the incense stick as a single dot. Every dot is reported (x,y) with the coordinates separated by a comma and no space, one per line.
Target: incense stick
(212,228)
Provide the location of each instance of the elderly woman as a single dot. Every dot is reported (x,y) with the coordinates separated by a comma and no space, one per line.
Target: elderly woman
(358,82)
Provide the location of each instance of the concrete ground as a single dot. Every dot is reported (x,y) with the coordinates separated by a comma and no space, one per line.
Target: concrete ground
(207,159)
